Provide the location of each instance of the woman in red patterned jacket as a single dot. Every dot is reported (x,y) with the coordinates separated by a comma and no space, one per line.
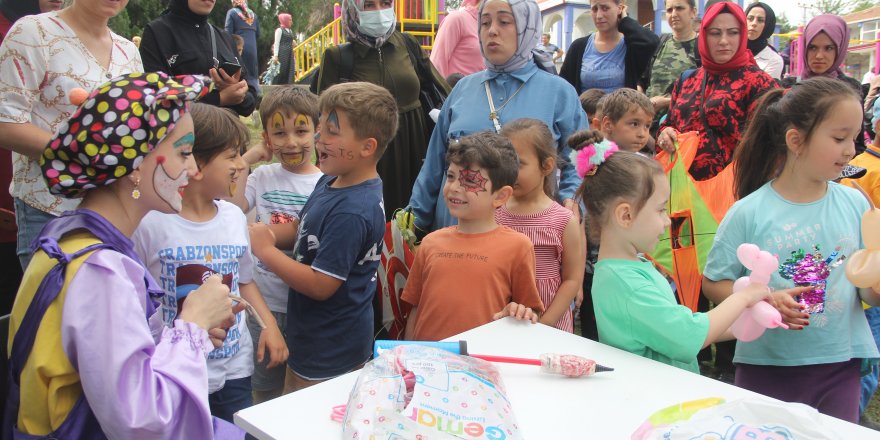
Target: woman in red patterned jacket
(715,99)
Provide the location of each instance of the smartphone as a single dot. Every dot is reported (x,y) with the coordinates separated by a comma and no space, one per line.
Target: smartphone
(231,69)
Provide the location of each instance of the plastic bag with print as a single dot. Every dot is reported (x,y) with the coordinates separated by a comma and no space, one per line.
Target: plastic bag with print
(414,391)
(739,419)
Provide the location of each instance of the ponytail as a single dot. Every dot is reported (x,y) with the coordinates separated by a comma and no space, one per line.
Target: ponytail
(615,176)
(762,150)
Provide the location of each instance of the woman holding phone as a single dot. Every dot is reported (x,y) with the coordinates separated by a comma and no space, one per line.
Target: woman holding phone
(182,42)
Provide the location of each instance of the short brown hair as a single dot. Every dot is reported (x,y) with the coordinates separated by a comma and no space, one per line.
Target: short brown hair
(239,40)
(370,109)
(590,100)
(216,130)
(618,103)
(289,99)
(489,151)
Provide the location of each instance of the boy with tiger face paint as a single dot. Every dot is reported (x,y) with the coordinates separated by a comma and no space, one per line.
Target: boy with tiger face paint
(278,192)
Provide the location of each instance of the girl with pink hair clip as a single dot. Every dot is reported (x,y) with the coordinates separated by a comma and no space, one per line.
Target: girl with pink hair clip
(626,196)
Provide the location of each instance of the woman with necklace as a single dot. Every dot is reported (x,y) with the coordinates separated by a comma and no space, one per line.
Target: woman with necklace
(614,56)
(44,57)
(511,87)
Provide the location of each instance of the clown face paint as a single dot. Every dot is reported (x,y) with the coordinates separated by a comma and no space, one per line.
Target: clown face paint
(169,188)
(187,139)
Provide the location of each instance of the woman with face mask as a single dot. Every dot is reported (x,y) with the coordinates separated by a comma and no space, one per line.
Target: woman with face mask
(511,87)
(761,24)
(378,53)
(614,56)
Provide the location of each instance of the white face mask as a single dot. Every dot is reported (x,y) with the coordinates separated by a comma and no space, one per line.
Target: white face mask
(376,23)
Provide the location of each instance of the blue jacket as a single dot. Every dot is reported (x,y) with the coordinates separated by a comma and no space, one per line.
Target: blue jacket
(544,96)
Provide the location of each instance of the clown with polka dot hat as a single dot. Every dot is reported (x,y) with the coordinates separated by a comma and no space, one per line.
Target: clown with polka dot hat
(127,150)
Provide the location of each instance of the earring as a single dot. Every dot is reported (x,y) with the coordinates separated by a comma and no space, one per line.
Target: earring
(136,193)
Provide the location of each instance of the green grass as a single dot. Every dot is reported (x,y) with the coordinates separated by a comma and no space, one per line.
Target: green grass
(873,410)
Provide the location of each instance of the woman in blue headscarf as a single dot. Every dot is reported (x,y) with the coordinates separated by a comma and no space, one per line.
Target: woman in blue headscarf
(509,30)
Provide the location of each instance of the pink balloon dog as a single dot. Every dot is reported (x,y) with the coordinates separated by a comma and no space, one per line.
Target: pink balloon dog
(754,320)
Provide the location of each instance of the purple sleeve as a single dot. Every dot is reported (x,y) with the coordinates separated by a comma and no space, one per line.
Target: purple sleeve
(136,387)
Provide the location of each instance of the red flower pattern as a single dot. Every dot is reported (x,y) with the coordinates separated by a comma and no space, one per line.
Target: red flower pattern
(729,98)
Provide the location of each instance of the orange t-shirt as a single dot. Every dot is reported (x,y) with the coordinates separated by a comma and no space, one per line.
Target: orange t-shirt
(870,182)
(458,281)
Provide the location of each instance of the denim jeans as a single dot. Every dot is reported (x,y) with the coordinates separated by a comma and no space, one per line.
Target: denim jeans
(869,381)
(233,397)
(30,222)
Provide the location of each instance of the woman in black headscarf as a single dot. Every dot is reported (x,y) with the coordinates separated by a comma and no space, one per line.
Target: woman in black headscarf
(761,24)
(182,42)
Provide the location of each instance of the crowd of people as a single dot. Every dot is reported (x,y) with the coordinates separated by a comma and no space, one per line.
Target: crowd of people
(150,306)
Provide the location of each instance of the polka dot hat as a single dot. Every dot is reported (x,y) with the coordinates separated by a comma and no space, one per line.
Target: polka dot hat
(118,124)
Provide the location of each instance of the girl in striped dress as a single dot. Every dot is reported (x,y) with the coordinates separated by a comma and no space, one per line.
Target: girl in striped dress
(554,231)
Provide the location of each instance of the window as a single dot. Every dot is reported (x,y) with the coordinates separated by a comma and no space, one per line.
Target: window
(869,30)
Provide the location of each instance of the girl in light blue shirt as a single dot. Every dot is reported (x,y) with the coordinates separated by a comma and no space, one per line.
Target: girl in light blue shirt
(798,142)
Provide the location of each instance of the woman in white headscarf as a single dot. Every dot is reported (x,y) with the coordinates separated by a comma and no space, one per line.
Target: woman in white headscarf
(377,53)
(509,30)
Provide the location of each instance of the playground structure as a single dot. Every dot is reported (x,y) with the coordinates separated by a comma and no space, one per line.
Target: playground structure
(419,18)
(564,20)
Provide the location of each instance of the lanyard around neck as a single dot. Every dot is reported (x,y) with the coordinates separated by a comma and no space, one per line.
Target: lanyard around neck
(493,112)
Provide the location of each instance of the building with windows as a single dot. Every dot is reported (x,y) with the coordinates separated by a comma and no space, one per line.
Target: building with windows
(567,20)
(864,45)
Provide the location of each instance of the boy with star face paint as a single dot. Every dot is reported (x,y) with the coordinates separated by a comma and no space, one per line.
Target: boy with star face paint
(497,262)
(278,192)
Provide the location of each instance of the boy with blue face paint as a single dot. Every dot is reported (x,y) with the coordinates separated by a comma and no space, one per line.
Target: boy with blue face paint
(377,53)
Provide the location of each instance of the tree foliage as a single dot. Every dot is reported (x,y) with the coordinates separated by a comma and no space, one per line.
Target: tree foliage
(308,17)
(864,4)
(785,27)
(841,7)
